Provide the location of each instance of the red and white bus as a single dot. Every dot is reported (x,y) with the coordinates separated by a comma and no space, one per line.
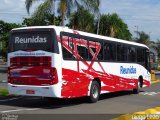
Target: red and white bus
(52,61)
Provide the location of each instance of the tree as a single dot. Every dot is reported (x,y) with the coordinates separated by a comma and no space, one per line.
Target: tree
(113,26)
(64,7)
(143,38)
(82,20)
(47,20)
(5,28)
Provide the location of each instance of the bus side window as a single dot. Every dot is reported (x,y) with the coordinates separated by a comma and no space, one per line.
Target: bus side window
(92,49)
(140,55)
(100,54)
(122,52)
(113,51)
(109,51)
(147,60)
(82,48)
(67,47)
(95,50)
(131,54)
(119,52)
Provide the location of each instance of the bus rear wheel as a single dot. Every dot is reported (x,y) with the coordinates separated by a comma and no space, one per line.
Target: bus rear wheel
(94,92)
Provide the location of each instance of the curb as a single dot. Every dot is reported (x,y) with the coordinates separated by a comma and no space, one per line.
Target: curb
(149,114)
(155,81)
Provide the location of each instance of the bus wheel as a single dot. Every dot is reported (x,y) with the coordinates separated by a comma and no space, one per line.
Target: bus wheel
(137,90)
(94,92)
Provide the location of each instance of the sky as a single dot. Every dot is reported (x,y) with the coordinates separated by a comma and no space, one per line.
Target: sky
(141,15)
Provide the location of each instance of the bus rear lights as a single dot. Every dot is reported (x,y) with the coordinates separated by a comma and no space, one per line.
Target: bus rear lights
(30,61)
(54,75)
(19,82)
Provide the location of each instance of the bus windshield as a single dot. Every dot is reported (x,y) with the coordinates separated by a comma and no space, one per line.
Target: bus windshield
(35,40)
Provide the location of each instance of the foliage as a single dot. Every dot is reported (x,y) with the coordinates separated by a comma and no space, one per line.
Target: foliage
(28,22)
(143,38)
(5,28)
(113,26)
(48,19)
(64,7)
(82,20)
(4,92)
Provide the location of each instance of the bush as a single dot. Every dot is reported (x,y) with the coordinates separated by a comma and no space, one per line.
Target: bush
(4,92)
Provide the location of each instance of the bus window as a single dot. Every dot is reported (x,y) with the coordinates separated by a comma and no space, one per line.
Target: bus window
(100,54)
(147,60)
(109,51)
(82,48)
(118,52)
(124,53)
(121,52)
(131,54)
(67,47)
(140,55)
(92,49)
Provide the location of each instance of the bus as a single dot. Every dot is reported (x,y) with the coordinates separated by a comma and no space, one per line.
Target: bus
(58,62)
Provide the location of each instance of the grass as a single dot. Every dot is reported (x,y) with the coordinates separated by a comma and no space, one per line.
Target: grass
(3,92)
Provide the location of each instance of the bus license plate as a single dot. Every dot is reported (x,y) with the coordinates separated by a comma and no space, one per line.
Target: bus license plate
(30,92)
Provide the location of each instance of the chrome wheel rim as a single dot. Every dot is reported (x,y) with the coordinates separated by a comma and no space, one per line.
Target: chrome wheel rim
(95,91)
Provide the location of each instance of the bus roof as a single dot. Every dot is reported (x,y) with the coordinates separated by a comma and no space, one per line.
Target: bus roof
(59,29)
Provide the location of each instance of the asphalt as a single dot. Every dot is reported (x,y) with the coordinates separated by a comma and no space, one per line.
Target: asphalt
(109,106)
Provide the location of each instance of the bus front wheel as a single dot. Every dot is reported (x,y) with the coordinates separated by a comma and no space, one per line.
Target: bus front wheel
(94,92)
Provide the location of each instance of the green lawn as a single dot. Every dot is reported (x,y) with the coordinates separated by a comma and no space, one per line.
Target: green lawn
(3,92)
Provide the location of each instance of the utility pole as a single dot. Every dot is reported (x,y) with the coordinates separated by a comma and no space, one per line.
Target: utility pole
(136,30)
(99,17)
(54,8)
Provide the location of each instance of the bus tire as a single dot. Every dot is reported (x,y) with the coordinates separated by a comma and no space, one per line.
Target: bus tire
(94,92)
(137,90)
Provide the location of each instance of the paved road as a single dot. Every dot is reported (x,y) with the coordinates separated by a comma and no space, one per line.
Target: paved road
(109,105)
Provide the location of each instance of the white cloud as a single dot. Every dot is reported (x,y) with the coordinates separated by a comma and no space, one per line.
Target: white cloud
(7,1)
(14,10)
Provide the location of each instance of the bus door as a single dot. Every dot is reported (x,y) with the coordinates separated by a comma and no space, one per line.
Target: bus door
(68,72)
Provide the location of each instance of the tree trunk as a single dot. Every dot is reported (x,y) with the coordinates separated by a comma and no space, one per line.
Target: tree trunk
(63,18)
